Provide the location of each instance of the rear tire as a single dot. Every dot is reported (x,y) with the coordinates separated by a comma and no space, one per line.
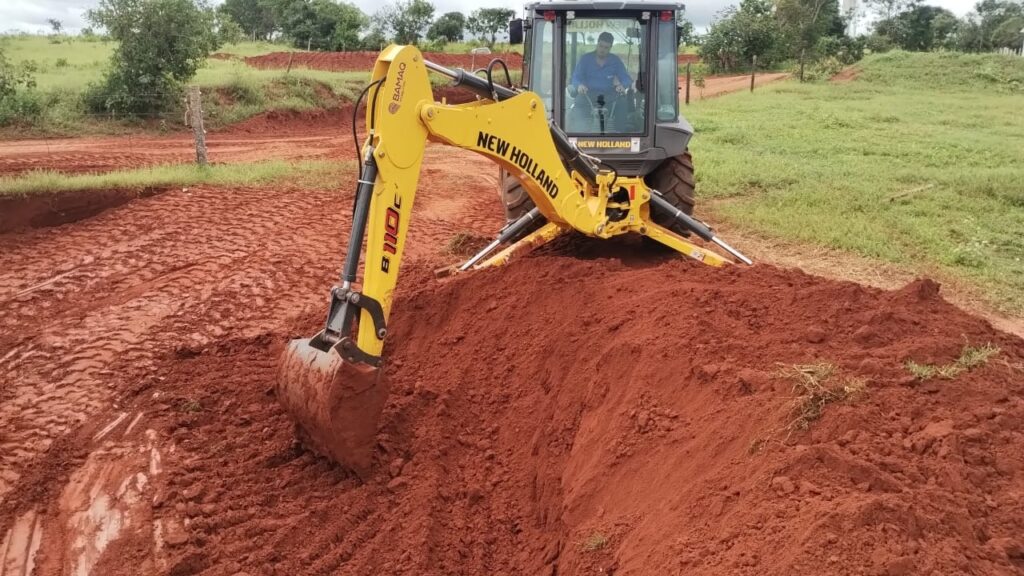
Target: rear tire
(517,202)
(674,179)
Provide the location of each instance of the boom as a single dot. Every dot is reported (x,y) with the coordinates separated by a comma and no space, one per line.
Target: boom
(512,129)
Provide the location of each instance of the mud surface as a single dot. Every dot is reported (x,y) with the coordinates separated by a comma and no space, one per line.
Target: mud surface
(594,408)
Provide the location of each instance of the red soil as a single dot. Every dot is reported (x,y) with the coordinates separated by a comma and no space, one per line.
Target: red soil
(543,421)
(363,61)
(848,74)
(594,408)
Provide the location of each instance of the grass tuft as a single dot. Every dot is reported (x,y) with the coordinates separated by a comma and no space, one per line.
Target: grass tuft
(815,387)
(251,174)
(970,357)
(466,244)
(189,406)
(594,542)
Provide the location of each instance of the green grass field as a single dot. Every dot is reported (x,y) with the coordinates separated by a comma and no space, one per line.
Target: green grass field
(234,90)
(919,162)
(74,63)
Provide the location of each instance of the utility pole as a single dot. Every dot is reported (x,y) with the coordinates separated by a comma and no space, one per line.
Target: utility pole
(753,71)
(687,83)
(194,114)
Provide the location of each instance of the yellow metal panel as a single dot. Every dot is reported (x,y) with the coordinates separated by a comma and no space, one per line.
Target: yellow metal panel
(399,139)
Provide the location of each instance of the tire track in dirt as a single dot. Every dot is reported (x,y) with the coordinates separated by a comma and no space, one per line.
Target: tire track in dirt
(82,155)
(89,310)
(199,279)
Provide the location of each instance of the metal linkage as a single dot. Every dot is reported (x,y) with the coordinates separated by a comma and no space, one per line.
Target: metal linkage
(507,233)
(698,227)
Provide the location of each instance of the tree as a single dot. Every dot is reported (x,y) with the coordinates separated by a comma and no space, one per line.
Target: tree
(405,21)
(18,101)
(256,17)
(1008,34)
(375,40)
(886,9)
(228,31)
(991,15)
(919,28)
(804,22)
(320,24)
(993,24)
(967,36)
(943,30)
(686,33)
(349,21)
(56,25)
(738,34)
(161,44)
(413,21)
(450,27)
(488,22)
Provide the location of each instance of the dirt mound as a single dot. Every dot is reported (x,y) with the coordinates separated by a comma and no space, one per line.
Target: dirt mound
(294,122)
(592,415)
(848,74)
(315,120)
(54,209)
(363,61)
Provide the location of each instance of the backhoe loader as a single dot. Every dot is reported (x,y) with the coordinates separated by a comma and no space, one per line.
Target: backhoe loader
(331,383)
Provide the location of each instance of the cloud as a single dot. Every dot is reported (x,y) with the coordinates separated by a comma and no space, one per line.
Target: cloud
(31,15)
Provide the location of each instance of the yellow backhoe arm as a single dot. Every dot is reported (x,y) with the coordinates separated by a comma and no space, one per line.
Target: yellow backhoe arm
(337,414)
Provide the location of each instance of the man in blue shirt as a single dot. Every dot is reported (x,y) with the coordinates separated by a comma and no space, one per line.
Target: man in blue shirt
(601,71)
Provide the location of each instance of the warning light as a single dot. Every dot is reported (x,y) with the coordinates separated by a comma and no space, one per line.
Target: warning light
(666,16)
(549,15)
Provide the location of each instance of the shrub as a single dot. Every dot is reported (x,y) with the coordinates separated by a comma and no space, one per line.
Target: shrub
(161,45)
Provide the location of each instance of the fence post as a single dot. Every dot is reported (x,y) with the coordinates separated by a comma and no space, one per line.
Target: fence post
(195,118)
(290,56)
(687,83)
(802,64)
(753,72)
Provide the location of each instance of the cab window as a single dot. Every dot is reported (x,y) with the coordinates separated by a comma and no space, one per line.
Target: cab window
(605,91)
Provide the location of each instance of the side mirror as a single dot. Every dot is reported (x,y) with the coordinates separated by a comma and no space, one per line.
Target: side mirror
(515,31)
(633,32)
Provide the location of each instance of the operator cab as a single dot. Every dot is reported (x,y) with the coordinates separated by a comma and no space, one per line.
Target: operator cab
(608,75)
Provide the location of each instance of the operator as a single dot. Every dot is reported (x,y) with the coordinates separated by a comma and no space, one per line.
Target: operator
(601,71)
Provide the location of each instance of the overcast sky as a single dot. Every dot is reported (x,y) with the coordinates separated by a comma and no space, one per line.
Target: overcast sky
(31,15)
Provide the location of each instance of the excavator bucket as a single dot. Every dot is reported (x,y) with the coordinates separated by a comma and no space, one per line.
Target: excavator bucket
(336,404)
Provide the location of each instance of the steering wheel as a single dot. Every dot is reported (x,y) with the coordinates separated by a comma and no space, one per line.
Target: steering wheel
(602,113)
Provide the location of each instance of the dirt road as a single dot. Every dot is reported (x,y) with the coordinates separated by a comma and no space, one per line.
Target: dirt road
(719,85)
(281,136)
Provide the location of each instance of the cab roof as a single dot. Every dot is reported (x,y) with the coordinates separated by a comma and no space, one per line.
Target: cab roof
(603,5)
